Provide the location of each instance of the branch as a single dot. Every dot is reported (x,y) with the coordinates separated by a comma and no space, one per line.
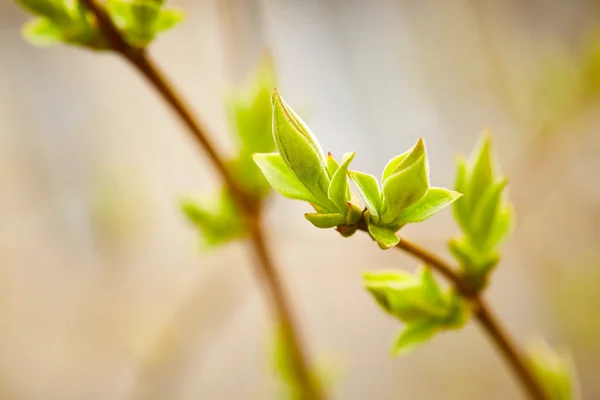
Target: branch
(265,267)
(486,318)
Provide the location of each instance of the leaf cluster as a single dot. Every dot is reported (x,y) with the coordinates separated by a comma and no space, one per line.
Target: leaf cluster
(419,302)
(483,213)
(70,22)
(300,170)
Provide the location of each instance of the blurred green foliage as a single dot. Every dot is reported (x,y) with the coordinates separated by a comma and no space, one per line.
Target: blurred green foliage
(250,112)
(70,22)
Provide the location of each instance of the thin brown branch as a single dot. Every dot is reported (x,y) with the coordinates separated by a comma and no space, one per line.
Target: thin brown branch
(486,318)
(265,266)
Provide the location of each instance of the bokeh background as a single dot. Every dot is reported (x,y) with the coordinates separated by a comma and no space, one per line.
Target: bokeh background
(103,291)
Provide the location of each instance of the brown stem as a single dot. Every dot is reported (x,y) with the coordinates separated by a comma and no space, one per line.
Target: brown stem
(486,318)
(265,267)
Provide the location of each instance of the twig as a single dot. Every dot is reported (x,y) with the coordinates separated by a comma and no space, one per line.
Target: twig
(486,318)
(250,208)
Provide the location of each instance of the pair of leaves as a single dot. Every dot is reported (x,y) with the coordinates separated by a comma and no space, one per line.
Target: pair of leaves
(300,171)
(483,214)
(418,301)
(250,112)
(70,22)
(404,197)
(555,371)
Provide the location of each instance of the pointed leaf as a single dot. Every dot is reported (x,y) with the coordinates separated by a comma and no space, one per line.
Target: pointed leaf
(385,237)
(555,371)
(482,175)
(414,335)
(325,221)
(300,150)
(338,188)
(167,19)
(391,166)
(281,178)
(55,10)
(332,165)
(431,289)
(462,213)
(404,188)
(484,215)
(434,200)
(42,32)
(502,225)
(405,160)
(368,188)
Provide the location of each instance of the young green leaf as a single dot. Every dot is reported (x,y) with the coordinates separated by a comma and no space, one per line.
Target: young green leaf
(414,335)
(405,160)
(325,221)
(368,188)
(484,216)
(338,188)
(385,237)
(392,165)
(57,11)
(332,165)
(404,188)
(168,19)
(461,207)
(281,177)
(42,32)
(482,174)
(218,221)
(434,200)
(300,150)
(555,371)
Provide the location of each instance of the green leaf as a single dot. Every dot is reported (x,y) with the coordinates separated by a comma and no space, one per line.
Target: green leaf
(474,263)
(404,188)
(281,177)
(368,188)
(431,289)
(461,207)
(484,216)
(42,32)
(168,19)
(218,220)
(338,188)
(414,335)
(404,296)
(58,11)
(482,175)
(391,166)
(434,200)
(405,160)
(325,221)
(502,225)
(555,371)
(385,237)
(300,150)
(332,165)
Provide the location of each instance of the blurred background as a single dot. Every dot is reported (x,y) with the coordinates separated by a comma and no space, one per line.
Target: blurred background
(103,291)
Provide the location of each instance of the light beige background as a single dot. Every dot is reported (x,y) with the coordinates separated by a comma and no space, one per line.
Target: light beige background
(103,292)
